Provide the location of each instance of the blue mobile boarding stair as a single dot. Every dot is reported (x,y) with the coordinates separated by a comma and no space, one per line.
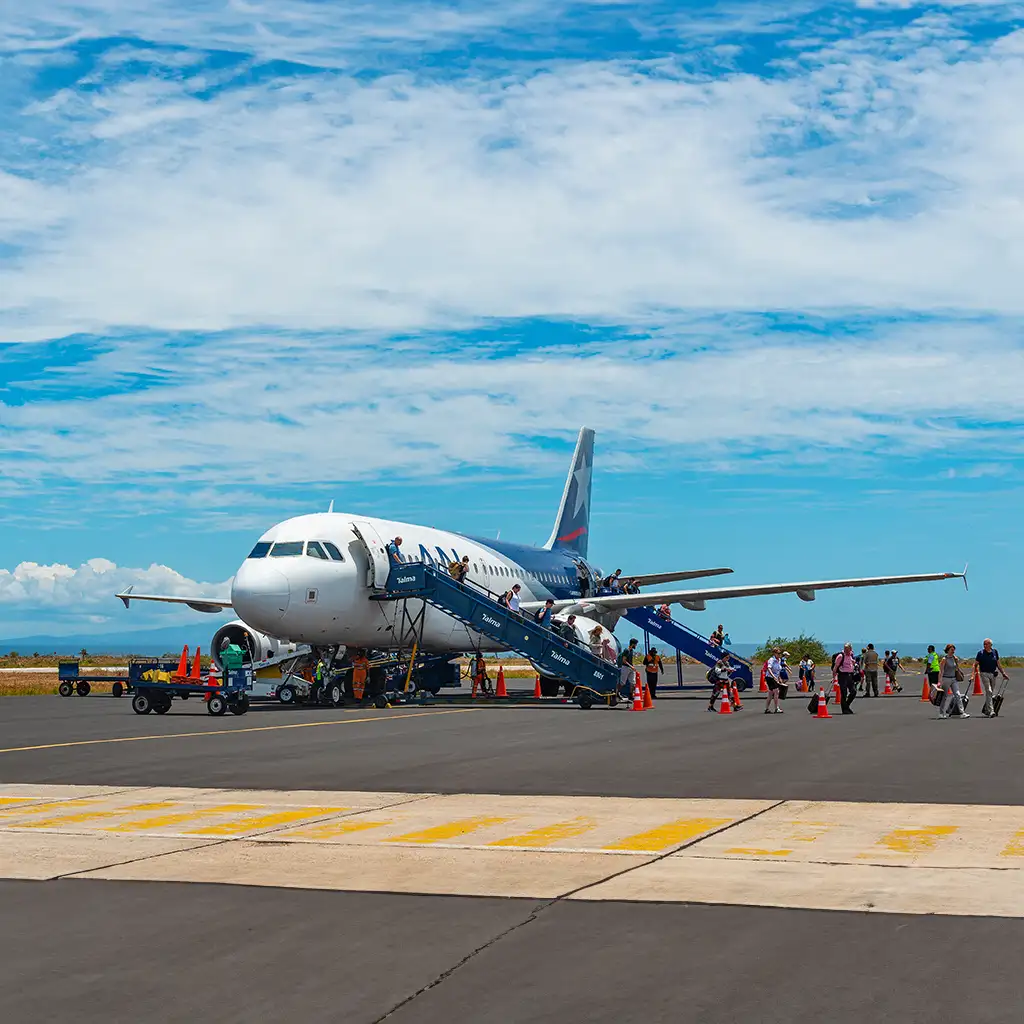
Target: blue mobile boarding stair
(592,677)
(689,642)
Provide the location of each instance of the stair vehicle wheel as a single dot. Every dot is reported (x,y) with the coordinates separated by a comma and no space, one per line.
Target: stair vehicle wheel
(117,690)
(336,695)
(162,703)
(217,705)
(380,701)
(82,689)
(286,694)
(239,705)
(585,699)
(65,689)
(141,704)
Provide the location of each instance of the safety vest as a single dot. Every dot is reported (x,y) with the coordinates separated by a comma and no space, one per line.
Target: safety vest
(933,662)
(360,666)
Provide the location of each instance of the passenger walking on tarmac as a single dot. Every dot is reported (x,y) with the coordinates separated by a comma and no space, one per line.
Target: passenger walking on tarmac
(395,551)
(773,678)
(653,667)
(870,663)
(784,676)
(458,569)
(626,670)
(720,677)
(952,676)
(844,672)
(891,666)
(932,666)
(809,675)
(988,666)
(542,616)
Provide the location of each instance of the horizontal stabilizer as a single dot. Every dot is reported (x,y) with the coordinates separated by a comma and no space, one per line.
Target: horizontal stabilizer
(211,605)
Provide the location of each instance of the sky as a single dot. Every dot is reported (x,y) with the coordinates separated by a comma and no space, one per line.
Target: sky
(257,256)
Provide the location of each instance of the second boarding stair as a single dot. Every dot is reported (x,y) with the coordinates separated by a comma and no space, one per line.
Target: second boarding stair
(689,642)
(551,653)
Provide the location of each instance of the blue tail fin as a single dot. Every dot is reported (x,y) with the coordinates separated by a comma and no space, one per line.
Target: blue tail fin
(572,527)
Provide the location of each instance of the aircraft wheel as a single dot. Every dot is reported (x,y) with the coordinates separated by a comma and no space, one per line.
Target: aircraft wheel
(336,695)
(117,690)
(217,705)
(141,704)
(65,689)
(286,694)
(82,689)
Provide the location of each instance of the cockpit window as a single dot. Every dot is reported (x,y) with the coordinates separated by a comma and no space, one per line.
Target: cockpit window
(286,548)
(314,550)
(261,549)
(333,551)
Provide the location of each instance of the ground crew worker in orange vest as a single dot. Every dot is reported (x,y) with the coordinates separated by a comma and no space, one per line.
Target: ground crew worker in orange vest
(653,667)
(360,671)
(479,669)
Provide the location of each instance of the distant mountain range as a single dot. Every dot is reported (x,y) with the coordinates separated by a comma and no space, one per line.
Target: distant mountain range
(147,641)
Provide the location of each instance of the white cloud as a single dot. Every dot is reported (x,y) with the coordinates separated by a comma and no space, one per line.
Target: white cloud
(92,585)
(883,170)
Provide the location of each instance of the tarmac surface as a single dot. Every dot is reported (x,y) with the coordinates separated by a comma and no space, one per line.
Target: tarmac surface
(116,949)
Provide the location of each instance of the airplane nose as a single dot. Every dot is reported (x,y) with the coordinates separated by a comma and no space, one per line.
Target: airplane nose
(260,593)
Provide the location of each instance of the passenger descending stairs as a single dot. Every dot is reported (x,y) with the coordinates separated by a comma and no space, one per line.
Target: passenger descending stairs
(549,652)
(689,642)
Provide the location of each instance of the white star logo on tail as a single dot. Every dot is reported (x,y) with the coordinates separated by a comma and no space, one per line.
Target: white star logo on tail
(582,477)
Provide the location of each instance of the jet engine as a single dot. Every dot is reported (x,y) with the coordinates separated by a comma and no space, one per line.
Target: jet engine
(261,651)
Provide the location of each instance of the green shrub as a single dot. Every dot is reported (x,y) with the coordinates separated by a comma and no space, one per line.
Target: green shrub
(799,647)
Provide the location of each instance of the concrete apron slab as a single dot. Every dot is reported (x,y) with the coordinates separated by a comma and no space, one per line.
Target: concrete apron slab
(897,858)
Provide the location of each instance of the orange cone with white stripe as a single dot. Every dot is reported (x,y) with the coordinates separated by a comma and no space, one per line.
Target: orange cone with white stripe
(888,687)
(725,708)
(638,697)
(737,703)
(648,703)
(926,692)
(822,705)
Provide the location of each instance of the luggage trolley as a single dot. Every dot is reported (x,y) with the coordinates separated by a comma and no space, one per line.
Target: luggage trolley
(155,690)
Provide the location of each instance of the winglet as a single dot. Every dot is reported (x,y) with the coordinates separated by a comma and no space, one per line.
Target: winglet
(330,508)
(126,596)
(964,577)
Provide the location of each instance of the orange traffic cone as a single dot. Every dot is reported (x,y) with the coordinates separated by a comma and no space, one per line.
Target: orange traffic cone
(638,698)
(978,691)
(725,708)
(822,705)
(837,693)
(737,703)
(763,688)
(500,690)
(536,688)
(648,703)
(888,687)
(196,668)
(182,672)
(926,692)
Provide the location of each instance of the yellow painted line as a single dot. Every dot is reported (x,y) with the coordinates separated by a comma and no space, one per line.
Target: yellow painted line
(242,825)
(331,829)
(170,820)
(5,800)
(749,851)
(1015,847)
(548,834)
(449,830)
(53,805)
(915,840)
(77,819)
(233,732)
(670,834)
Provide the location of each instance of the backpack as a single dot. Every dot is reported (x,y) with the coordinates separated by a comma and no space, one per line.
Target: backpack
(710,676)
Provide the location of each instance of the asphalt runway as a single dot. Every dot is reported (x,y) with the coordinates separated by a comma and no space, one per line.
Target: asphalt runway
(891,749)
(101,951)
(169,951)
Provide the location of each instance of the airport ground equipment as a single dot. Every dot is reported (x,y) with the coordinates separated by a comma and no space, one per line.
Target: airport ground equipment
(71,679)
(153,691)
(417,584)
(691,643)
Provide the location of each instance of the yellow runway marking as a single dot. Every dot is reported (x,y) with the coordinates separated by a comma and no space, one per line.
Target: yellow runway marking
(331,829)
(449,830)
(664,836)
(1015,847)
(233,732)
(77,819)
(53,805)
(242,825)
(548,834)
(751,852)
(5,800)
(915,840)
(169,820)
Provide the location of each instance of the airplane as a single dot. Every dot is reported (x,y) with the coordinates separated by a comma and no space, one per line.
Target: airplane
(307,582)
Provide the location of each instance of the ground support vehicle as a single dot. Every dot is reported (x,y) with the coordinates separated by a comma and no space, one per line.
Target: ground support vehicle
(153,693)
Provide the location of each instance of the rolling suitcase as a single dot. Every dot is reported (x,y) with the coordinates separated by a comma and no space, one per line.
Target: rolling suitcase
(997,700)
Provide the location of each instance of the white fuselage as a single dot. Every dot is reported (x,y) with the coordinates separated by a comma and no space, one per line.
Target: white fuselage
(326,601)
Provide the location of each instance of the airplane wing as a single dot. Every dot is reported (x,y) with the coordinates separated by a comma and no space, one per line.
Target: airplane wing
(199,604)
(652,579)
(695,599)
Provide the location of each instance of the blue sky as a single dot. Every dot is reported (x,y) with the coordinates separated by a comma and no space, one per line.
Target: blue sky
(257,256)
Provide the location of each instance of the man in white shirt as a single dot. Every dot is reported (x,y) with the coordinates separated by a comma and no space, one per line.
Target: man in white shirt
(773,677)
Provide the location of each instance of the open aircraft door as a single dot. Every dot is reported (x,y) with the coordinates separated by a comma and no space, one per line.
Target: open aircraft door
(376,549)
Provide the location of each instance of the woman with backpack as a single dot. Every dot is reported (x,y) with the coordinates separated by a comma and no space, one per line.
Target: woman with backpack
(951,676)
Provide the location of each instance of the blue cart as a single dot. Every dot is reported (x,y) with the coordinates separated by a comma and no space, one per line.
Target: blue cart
(155,694)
